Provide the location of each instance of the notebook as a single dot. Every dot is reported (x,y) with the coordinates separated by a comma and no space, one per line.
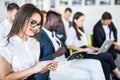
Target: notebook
(73,56)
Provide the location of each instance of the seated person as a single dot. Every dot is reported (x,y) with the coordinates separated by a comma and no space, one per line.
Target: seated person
(6,24)
(52,49)
(19,53)
(103,30)
(77,40)
(65,24)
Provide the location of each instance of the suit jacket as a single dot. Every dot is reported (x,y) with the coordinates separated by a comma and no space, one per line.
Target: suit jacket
(99,34)
(46,47)
(47,50)
(61,31)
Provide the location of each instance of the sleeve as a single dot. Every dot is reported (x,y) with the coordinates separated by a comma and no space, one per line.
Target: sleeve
(114,31)
(46,49)
(1,33)
(46,53)
(6,54)
(97,39)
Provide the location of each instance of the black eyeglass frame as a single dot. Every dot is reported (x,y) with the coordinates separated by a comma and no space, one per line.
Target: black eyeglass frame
(33,23)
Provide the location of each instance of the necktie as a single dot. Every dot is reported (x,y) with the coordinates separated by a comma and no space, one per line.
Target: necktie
(56,39)
(60,58)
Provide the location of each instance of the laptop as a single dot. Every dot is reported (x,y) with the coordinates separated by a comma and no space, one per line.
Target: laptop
(104,48)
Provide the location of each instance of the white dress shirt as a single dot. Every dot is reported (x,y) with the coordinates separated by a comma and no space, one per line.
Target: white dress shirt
(66,24)
(20,54)
(5,28)
(72,38)
(55,44)
(107,32)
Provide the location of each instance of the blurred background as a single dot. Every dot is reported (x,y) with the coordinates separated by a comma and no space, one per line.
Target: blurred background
(93,9)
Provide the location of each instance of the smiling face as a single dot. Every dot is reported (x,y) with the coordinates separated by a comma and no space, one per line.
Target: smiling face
(31,26)
(80,21)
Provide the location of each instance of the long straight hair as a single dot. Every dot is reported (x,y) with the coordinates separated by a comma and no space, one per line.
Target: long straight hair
(76,16)
(26,11)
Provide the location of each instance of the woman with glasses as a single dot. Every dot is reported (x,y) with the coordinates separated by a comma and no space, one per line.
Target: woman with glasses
(19,52)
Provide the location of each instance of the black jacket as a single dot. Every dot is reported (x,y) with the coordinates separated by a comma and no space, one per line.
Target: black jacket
(62,32)
(99,34)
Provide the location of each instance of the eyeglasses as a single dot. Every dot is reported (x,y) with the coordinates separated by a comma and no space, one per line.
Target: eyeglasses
(34,23)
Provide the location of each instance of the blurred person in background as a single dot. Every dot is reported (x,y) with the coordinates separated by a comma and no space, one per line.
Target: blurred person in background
(103,30)
(6,24)
(66,23)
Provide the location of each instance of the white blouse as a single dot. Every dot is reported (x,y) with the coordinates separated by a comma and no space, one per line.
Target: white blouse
(72,38)
(20,54)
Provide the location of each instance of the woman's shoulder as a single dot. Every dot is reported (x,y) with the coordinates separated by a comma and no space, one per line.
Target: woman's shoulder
(4,51)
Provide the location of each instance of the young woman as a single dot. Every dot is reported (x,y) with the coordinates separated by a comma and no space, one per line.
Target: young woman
(19,53)
(76,40)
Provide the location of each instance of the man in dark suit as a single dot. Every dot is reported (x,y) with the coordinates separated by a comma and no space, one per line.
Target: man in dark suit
(50,46)
(66,23)
(105,30)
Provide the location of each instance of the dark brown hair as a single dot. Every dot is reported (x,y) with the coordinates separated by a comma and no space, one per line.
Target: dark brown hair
(26,11)
(12,6)
(43,12)
(106,15)
(76,16)
(68,9)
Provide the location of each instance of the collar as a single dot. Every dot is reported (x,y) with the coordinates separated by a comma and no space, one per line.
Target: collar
(65,20)
(47,31)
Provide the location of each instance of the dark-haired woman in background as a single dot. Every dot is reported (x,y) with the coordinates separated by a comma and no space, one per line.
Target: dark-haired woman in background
(77,40)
